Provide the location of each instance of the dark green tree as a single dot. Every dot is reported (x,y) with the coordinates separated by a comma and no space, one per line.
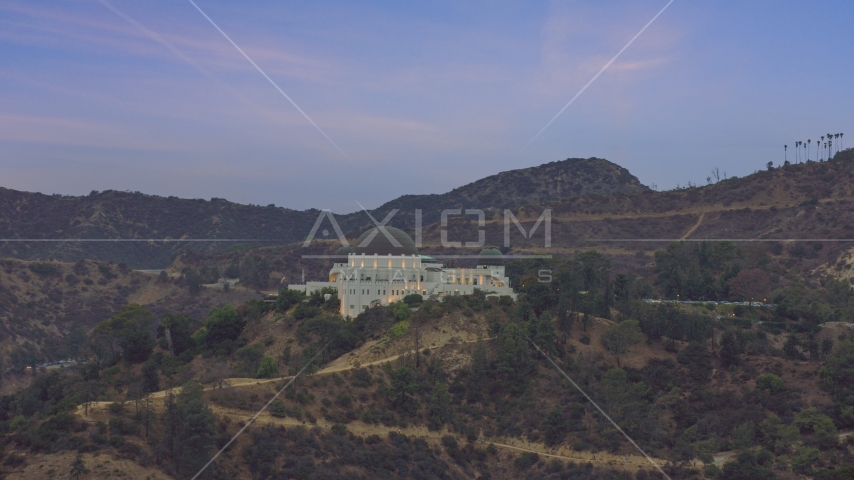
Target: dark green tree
(542,332)
(439,412)
(555,427)
(137,346)
(731,349)
(618,338)
(150,378)
(513,361)
(78,468)
(196,431)
(402,390)
(479,371)
(747,467)
(223,324)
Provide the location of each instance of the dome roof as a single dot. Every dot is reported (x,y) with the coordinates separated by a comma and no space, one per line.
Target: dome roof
(344,251)
(490,257)
(376,242)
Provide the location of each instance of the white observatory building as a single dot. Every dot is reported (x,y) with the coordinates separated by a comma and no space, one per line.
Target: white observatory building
(377,272)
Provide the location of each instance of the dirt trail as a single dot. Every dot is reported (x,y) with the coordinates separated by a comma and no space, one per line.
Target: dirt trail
(694,228)
(338,365)
(624,462)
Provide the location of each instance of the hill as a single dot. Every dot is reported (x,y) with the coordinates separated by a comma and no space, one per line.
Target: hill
(133,216)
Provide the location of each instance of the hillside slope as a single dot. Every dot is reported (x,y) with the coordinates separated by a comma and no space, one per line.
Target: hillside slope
(124,215)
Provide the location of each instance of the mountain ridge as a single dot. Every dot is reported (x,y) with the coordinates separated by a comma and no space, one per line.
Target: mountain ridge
(134,216)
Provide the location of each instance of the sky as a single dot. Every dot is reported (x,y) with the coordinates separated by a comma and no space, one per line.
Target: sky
(417,97)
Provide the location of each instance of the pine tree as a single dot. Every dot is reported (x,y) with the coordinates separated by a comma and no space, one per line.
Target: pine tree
(555,427)
(730,349)
(78,468)
(479,372)
(440,407)
(513,359)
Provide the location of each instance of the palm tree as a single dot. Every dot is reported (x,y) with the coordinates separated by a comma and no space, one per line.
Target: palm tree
(808,149)
(797,151)
(822,139)
(785,147)
(840,140)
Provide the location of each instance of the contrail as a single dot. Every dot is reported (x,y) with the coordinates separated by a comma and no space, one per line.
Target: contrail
(600,72)
(268,78)
(159,39)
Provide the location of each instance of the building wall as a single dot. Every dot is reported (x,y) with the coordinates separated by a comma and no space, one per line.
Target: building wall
(366,280)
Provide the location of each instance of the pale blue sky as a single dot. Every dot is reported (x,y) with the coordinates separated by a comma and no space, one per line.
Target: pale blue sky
(421,97)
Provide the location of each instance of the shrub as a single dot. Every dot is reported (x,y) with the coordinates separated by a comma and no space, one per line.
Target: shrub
(18,422)
(278,409)
(268,368)
(770,382)
(401,311)
(711,471)
(43,269)
(413,299)
(526,460)
(399,329)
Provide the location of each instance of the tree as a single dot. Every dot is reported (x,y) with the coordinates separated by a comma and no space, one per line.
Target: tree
(792,348)
(809,141)
(223,324)
(78,467)
(176,328)
(129,326)
(555,427)
(513,359)
(401,311)
(255,272)
(731,349)
(618,338)
(821,428)
(137,346)
(751,285)
(193,279)
(747,467)
(698,360)
(196,430)
(624,401)
(479,372)
(219,374)
(288,298)
(402,389)
(269,368)
(744,435)
(770,382)
(150,378)
(542,332)
(439,412)
(785,148)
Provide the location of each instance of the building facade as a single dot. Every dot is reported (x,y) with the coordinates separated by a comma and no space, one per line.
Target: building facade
(384,267)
